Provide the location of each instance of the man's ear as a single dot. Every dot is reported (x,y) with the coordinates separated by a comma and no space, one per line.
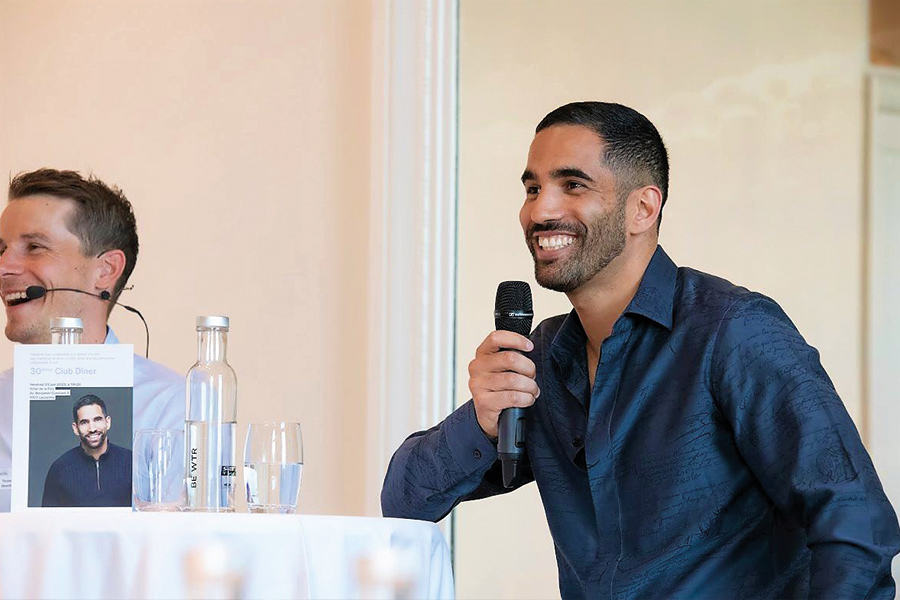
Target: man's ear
(108,422)
(110,269)
(75,429)
(647,202)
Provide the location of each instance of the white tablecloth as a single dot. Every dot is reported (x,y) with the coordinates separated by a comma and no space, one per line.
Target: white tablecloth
(97,554)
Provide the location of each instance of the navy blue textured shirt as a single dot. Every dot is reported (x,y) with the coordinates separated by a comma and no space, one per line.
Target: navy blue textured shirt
(711,459)
(76,479)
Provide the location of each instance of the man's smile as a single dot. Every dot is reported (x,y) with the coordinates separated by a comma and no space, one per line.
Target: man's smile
(555,242)
(15,298)
(552,244)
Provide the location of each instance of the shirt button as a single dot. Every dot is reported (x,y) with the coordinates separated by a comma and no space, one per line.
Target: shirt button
(477,454)
(577,442)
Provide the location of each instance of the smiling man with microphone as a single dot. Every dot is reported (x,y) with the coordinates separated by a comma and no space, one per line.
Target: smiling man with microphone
(68,245)
(685,439)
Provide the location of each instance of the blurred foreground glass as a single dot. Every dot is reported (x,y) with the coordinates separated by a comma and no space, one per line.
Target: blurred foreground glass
(273,465)
(158,474)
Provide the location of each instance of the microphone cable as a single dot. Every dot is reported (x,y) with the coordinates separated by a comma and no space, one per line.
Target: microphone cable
(33,292)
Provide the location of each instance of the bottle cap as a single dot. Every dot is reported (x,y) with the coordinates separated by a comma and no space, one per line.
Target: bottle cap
(220,322)
(66,323)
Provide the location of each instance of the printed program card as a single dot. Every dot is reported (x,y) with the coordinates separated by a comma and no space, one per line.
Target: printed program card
(72,426)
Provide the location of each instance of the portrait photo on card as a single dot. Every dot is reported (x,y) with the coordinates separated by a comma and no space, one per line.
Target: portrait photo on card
(80,448)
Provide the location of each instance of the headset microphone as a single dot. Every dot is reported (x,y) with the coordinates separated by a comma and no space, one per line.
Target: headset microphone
(33,292)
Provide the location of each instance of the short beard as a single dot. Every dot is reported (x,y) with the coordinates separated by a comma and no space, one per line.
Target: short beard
(598,244)
(30,333)
(86,444)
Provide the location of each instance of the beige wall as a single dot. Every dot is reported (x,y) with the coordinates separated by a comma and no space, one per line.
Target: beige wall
(761,106)
(240,131)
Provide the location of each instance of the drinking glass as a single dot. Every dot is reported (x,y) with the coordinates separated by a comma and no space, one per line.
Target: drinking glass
(158,469)
(273,465)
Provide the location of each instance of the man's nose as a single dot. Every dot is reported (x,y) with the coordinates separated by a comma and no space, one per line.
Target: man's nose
(547,206)
(10,263)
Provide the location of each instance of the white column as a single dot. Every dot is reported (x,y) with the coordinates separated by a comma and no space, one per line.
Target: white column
(412,281)
(881,414)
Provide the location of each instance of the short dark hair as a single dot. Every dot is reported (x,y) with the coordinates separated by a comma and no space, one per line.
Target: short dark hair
(87,400)
(103,219)
(634,150)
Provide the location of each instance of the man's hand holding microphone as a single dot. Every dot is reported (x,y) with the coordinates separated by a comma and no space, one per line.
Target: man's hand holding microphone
(502,380)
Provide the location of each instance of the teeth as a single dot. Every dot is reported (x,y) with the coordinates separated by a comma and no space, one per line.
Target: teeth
(14,296)
(555,242)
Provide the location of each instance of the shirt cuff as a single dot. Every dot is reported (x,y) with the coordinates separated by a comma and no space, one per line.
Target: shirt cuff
(469,446)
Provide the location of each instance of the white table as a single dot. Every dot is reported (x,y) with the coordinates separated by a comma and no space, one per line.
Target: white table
(68,553)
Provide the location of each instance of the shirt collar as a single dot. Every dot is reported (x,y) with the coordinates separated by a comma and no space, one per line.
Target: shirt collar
(102,457)
(111,336)
(655,298)
(567,351)
(570,338)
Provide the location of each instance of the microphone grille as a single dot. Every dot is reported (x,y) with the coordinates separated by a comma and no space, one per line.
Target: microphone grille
(513,297)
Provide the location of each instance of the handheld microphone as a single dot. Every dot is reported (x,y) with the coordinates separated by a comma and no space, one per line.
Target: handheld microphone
(33,292)
(512,312)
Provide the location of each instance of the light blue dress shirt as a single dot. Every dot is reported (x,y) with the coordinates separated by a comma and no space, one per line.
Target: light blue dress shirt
(158,404)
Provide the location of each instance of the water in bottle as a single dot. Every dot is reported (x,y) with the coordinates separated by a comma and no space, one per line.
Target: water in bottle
(210,456)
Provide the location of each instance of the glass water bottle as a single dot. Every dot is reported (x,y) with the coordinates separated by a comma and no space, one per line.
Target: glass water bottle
(66,330)
(210,459)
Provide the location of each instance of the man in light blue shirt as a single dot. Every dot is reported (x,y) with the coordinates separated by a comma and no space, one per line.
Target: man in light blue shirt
(61,230)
